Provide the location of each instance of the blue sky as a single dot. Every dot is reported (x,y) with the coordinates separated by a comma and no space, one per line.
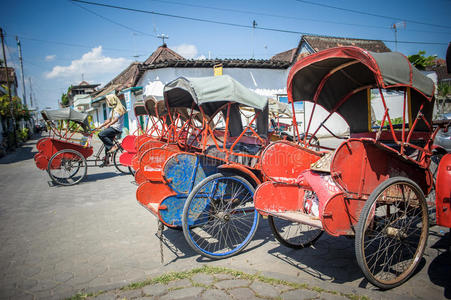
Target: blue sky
(61,40)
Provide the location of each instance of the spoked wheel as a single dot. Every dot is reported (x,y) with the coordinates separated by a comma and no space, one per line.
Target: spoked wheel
(292,234)
(392,232)
(67,167)
(120,167)
(219,218)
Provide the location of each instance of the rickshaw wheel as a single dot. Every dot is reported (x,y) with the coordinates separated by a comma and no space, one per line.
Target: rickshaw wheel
(120,167)
(219,218)
(392,232)
(67,167)
(292,234)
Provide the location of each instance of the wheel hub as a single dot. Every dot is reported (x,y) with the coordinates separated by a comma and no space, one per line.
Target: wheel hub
(396,233)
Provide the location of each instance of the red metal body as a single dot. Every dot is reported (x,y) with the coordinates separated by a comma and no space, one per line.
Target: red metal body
(49,146)
(443,192)
(342,179)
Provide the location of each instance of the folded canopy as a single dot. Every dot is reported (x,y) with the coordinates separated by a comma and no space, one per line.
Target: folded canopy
(210,93)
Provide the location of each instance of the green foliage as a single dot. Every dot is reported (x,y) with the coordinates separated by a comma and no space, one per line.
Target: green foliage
(23,134)
(65,97)
(64,100)
(444,89)
(420,61)
(394,121)
(19,110)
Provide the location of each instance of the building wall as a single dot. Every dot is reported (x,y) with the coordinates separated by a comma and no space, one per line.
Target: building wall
(266,82)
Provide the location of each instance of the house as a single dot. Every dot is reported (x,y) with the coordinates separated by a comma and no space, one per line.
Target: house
(79,95)
(314,43)
(127,79)
(265,77)
(12,80)
(443,102)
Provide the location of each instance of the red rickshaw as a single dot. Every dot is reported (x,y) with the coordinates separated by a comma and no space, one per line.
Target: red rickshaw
(373,186)
(217,152)
(65,152)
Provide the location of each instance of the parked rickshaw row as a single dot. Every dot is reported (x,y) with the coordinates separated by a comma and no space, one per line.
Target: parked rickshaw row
(213,156)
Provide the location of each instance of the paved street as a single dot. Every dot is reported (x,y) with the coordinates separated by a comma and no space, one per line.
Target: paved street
(57,241)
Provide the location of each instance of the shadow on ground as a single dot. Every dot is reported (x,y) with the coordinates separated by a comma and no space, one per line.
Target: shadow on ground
(440,268)
(22,153)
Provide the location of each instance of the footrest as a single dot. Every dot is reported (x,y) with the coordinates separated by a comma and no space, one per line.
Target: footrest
(299,217)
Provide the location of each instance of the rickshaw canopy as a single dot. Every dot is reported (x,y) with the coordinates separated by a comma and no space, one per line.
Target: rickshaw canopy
(339,79)
(211,93)
(66,114)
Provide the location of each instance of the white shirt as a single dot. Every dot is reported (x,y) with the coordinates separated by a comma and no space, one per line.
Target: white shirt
(120,121)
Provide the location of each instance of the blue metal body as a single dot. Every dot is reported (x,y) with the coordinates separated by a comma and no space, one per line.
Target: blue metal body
(183,172)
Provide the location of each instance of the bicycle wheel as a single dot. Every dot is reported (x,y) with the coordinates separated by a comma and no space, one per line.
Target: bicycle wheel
(120,167)
(219,218)
(67,167)
(392,232)
(292,234)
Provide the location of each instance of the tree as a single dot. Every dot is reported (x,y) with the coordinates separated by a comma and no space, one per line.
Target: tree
(420,61)
(9,112)
(443,89)
(65,97)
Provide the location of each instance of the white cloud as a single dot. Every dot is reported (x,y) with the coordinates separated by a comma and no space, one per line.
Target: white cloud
(186,50)
(92,64)
(50,57)
(201,57)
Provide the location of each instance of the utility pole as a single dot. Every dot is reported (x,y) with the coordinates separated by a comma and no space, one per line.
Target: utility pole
(21,72)
(395,27)
(9,90)
(31,92)
(254,24)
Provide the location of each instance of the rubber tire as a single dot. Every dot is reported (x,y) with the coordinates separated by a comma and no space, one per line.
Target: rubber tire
(121,168)
(285,242)
(84,171)
(186,229)
(360,233)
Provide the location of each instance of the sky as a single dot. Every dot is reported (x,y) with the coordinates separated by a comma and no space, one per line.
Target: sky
(64,41)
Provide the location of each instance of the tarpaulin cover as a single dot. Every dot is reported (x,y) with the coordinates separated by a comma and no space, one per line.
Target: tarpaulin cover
(211,93)
(338,79)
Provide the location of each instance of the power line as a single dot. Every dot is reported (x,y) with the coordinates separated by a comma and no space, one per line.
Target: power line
(230,24)
(112,21)
(222,9)
(371,14)
(70,44)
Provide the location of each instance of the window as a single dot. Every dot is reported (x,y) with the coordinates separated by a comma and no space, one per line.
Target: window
(104,111)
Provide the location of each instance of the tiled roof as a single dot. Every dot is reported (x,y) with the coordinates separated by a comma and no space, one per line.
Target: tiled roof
(125,79)
(226,63)
(163,53)
(319,43)
(286,55)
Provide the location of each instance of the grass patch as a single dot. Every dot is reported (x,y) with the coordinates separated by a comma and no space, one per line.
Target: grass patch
(172,276)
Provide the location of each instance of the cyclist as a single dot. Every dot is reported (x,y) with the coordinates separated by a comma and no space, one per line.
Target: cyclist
(113,126)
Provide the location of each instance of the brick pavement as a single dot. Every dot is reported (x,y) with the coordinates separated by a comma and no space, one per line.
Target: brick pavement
(57,241)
